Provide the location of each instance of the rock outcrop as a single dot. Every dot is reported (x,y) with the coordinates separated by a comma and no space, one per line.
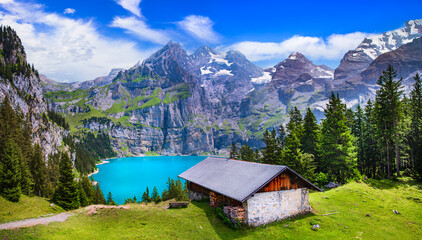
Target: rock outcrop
(23,88)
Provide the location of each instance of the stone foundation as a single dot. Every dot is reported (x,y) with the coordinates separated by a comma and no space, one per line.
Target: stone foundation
(235,214)
(267,207)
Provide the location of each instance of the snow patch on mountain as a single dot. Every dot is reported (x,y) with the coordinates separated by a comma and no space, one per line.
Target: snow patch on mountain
(224,72)
(265,78)
(323,73)
(205,71)
(219,59)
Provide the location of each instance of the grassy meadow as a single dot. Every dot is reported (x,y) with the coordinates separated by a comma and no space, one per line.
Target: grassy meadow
(363,211)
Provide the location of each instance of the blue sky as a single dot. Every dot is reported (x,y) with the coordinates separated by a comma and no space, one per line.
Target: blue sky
(80,40)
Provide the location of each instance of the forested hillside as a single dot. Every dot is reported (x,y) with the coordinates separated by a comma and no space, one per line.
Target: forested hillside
(37,154)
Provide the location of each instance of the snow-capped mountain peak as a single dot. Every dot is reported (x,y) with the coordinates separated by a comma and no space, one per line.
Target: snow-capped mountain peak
(296,56)
(355,61)
(388,41)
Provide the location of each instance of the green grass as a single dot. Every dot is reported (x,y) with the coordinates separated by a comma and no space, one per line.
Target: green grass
(135,103)
(66,96)
(169,98)
(152,102)
(76,120)
(117,107)
(199,221)
(27,207)
(151,153)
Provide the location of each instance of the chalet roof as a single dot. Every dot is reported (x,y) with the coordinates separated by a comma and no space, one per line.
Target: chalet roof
(233,178)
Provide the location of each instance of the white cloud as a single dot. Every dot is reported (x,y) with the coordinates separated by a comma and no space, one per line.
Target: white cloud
(66,49)
(140,29)
(200,27)
(69,11)
(131,5)
(331,48)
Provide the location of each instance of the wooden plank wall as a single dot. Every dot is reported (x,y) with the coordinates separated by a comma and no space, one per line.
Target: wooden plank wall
(226,201)
(284,181)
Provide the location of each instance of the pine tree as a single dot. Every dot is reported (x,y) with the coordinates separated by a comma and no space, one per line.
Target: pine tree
(257,156)
(291,152)
(388,111)
(271,152)
(247,154)
(83,199)
(292,155)
(10,172)
(99,196)
(88,189)
(416,124)
(338,154)
(370,157)
(281,137)
(145,197)
(53,172)
(310,136)
(234,154)
(155,197)
(357,131)
(180,194)
(66,194)
(39,172)
(110,200)
(26,149)
(8,124)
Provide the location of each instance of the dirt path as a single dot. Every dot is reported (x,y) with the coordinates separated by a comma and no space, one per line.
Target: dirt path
(92,209)
(35,221)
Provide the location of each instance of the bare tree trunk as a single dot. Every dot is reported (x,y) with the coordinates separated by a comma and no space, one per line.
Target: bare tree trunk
(397,149)
(388,159)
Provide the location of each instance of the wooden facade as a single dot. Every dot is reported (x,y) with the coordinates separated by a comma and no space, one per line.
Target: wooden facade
(284,181)
(216,198)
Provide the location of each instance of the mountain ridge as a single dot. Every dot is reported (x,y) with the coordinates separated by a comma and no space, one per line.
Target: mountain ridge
(176,103)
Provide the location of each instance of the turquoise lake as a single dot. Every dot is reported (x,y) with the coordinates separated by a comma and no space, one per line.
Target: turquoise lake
(130,176)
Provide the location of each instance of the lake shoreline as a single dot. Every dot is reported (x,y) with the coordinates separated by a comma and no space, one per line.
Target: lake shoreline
(103,161)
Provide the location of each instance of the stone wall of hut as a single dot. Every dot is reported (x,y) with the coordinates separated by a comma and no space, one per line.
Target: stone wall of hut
(267,207)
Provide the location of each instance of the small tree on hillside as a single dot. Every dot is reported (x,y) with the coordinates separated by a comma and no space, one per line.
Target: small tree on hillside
(88,189)
(10,172)
(99,196)
(110,200)
(39,172)
(155,197)
(247,154)
(234,154)
(83,199)
(271,151)
(66,194)
(145,196)
(310,137)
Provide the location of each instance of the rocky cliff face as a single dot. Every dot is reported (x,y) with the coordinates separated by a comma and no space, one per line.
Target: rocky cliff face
(23,88)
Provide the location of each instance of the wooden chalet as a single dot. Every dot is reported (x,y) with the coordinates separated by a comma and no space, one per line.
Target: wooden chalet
(257,193)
